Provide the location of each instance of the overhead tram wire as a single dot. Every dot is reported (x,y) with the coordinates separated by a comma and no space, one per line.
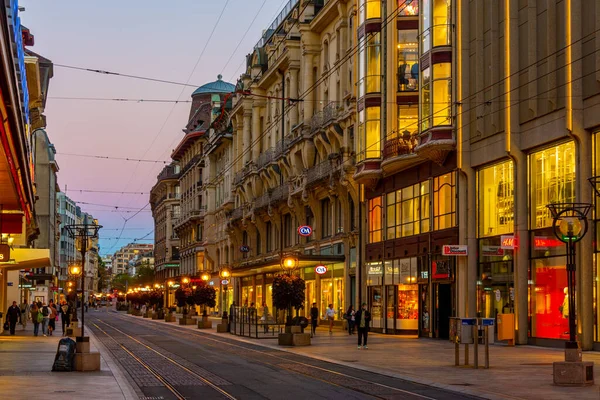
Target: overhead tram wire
(113,158)
(208,40)
(122,100)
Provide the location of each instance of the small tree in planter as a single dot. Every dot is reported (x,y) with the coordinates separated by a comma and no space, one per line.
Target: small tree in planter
(288,294)
(181,296)
(156,301)
(205,296)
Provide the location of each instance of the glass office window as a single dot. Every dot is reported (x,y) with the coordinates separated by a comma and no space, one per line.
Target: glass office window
(444,201)
(407,54)
(442,94)
(407,211)
(495,193)
(376,219)
(552,180)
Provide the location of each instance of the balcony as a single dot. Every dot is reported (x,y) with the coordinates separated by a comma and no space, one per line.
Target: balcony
(169,172)
(399,153)
(320,171)
(190,164)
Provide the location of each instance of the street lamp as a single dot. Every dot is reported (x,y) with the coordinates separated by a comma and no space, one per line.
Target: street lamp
(224,274)
(185,280)
(205,277)
(289,263)
(74,271)
(82,233)
(570,226)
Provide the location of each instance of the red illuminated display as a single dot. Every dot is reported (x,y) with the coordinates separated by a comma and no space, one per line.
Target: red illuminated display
(546,242)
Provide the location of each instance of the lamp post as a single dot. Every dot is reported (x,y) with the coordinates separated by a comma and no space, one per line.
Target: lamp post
(224,274)
(570,225)
(74,271)
(83,232)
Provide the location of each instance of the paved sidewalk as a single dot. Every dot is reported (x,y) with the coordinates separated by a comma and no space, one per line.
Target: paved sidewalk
(26,364)
(521,372)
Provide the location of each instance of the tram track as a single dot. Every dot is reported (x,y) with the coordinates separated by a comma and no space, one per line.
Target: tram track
(317,372)
(157,373)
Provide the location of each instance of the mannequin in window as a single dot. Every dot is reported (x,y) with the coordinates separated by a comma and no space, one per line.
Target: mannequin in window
(402,70)
(414,76)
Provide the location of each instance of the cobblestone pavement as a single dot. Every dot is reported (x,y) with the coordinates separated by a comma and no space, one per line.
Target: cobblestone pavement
(243,370)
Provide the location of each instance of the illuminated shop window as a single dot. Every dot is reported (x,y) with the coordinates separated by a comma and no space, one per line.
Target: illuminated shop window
(552,180)
(408,7)
(426,99)
(407,130)
(496,199)
(444,201)
(408,60)
(369,141)
(441,23)
(407,211)
(373,64)
(376,219)
(442,94)
(332,290)
(368,9)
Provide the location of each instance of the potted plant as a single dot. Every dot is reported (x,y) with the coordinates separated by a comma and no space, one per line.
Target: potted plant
(184,299)
(288,294)
(205,296)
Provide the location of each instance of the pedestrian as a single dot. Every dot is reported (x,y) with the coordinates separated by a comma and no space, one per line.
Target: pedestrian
(251,313)
(36,318)
(350,314)
(363,319)
(52,317)
(314,319)
(45,310)
(265,317)
(13,315)
(65,315)
(330,314)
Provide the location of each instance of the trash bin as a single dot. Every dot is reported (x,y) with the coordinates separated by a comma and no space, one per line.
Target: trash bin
(65,355)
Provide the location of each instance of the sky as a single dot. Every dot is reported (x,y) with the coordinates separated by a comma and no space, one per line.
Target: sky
(150,38)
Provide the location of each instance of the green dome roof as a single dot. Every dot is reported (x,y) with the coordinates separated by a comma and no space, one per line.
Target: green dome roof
(218,86)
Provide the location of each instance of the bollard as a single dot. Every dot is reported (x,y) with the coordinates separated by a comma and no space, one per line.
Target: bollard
(487,346)
(456,353)
(476,346)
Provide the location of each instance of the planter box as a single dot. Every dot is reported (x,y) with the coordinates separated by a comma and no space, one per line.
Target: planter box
(170,318)
(222,328)
(155,315)
(187,321)
(129,311)
(294,339)
(147,314)
(204,323)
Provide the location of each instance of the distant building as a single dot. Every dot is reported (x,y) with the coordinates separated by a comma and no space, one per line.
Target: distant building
(120,260)
(140,260)
(67,214)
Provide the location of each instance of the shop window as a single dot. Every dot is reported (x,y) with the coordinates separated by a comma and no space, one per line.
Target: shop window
(441,23)
(495,283)
(407,211)
(425,26)
(375,219)
(368,9)
(444,201)
(332,290)
(408,7)
(496,199)
(426,99)
(408,60)
(369,134)
(552,180)
(442,94)
(373,64)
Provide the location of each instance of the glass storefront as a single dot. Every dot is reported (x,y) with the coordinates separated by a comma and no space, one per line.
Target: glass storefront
(495,283)
(408,61)
(332,290)
(398,280)
(549,309)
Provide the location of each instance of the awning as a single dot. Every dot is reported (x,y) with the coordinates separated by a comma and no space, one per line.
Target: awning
(26,259)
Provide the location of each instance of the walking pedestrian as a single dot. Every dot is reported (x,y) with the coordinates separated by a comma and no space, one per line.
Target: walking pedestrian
(65,316)
(350,314)
(52,317)
(36,318)
(45,310)
(314,319)
(363,319)
(13,315)
(330,313)
(265,317)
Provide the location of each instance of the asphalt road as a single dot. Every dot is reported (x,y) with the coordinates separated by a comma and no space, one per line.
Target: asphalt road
(168,362)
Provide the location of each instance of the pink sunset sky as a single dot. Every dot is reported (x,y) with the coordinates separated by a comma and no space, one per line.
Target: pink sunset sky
(151,38)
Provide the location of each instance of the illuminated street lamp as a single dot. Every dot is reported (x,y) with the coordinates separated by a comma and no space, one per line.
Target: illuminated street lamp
(205,277)
(289,263)
(224,274)
(185,280)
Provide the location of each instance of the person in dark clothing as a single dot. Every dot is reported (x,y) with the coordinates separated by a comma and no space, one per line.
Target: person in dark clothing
(314,318)
(363,319)
(13,315)
(65,315)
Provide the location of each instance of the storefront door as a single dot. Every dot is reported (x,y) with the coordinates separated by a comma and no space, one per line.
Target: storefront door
(424,328)
(443,309)
(390,304)
(376,305)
